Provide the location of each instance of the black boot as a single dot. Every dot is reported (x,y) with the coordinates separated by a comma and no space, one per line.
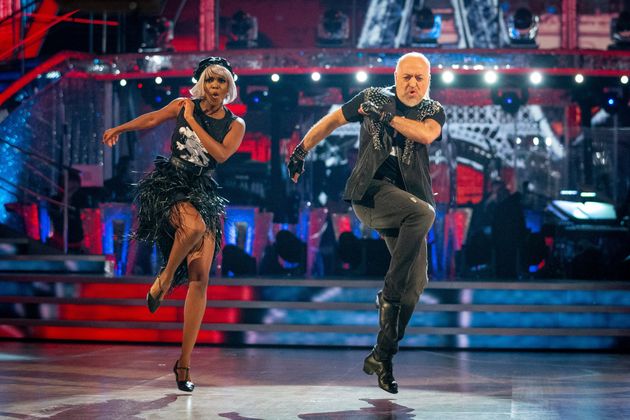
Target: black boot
(384,370)
(379,360)
(406,311)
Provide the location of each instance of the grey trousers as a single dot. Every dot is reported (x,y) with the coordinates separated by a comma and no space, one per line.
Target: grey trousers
(403,220)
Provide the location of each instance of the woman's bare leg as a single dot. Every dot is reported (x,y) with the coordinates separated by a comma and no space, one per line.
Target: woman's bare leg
(199,263)
(189,231)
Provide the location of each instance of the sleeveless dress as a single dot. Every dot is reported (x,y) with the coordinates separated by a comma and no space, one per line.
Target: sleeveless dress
(185,176)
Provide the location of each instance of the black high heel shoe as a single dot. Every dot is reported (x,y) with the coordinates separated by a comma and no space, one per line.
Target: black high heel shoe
(185,385)
(153,303)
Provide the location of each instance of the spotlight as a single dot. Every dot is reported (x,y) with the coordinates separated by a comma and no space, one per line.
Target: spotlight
(289,247)
(333,28)
(275,77)
(448,77)
(426,28)
(510,100)
(490,77)
(157,34)
(316,76)
(535,78)
(536,141)
(624,80)
(237,262)
(361,76)
(548,141)
(257,100)
(123,82)
(243,31)
(523,28)
(579,78)
(611,101)
(158,80)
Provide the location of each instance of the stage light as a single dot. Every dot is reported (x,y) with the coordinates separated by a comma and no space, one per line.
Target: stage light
(289,247)
(490,77)
(448,77)
(426,28)
(611,101)
(257,100)
(361,76)
(158,80)
(140,85)
(579,78)
(333,29)
(157,35)
(123,82)
(275,77)
(523,28)
(624,80)
(535,78)
(316,76)
(243,31)
(194,80)
(536,141)
(235,78)
(548,141)
(237,262)
(510,100)
(518,140)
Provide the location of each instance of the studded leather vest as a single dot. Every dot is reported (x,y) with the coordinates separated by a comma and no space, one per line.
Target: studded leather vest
(375,143)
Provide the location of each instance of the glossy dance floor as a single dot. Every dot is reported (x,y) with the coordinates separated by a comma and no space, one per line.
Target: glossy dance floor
(72,381)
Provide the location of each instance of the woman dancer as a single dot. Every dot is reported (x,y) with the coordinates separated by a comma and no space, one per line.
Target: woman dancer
(179,208)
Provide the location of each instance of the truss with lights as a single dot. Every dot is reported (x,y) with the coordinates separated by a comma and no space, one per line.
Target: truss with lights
(473,66)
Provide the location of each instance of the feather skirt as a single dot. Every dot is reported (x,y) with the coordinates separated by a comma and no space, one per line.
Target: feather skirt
(157,194)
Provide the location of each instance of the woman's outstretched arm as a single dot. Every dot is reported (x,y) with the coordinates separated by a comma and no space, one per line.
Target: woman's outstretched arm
(144,121)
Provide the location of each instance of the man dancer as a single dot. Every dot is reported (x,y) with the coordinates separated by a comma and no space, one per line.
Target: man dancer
(390,190)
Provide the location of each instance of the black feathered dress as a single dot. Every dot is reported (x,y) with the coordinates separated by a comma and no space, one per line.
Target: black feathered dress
(185,176)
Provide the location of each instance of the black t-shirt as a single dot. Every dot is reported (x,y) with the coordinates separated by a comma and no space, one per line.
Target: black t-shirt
(390,168)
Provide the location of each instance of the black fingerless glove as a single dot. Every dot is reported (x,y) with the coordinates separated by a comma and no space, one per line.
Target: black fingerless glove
(296,161)
(377,113)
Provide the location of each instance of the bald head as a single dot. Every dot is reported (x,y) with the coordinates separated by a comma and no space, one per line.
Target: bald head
(412,77)
(413,57)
